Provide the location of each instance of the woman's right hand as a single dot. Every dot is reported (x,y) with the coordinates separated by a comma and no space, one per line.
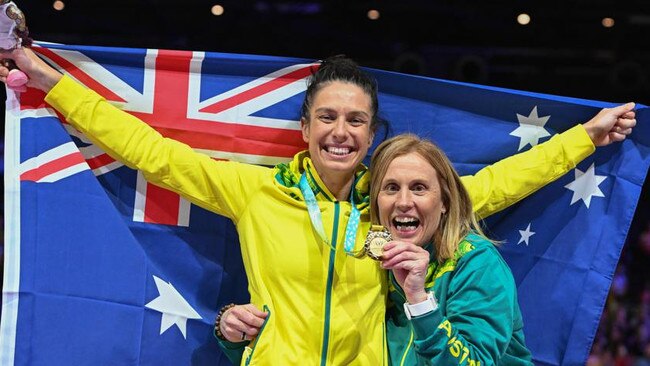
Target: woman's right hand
(41,75)
(409,264)
(242,322)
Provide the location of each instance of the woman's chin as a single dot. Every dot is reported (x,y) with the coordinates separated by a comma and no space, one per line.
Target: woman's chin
(337,168)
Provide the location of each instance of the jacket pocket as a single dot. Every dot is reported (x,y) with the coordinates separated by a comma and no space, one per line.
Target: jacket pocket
(250,350)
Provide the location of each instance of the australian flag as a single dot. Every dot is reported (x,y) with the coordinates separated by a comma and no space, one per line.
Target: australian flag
(103,268)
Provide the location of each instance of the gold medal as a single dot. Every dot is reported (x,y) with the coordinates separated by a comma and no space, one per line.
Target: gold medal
(377,237)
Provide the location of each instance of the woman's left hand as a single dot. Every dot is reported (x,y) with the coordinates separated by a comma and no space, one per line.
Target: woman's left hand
(409,264)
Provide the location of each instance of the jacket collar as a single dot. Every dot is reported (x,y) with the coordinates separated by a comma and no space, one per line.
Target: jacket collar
(288,175)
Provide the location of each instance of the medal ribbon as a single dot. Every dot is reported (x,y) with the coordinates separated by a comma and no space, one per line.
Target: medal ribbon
(317,219)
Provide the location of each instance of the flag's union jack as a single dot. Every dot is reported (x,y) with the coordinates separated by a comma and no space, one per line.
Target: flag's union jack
(223,125)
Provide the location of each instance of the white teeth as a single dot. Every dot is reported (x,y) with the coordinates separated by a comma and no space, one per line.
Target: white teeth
(338,150)
(406,223)
(405,219)
(406,228)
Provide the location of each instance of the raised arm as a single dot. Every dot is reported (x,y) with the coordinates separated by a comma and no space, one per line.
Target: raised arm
(508,181)
(221,187)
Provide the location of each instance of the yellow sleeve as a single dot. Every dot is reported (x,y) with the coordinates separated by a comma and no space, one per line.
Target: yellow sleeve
(506,182)
(218,186)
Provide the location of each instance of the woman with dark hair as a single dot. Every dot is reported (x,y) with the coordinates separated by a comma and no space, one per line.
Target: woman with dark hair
(299,223)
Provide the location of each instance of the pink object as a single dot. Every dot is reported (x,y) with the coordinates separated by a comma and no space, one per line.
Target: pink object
(13,34)
(16,80)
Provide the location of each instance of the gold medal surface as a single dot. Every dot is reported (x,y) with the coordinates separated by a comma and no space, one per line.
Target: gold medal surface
(377,237)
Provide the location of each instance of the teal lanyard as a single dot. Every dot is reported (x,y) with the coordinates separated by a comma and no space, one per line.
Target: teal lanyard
(317,219)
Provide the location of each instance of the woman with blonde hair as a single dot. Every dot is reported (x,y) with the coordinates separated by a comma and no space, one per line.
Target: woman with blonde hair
(453,299)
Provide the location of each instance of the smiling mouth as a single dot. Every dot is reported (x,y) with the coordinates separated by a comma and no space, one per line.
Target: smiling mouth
(405,224)
(338,150)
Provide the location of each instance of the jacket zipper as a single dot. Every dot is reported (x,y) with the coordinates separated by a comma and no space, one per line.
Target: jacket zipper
(328,293)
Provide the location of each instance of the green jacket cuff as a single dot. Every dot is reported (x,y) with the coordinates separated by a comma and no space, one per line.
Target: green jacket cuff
(425,325)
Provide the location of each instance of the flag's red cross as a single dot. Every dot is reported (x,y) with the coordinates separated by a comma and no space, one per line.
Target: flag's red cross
(170,117)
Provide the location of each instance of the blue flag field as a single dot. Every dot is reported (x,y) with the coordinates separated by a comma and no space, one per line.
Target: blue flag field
(103,268)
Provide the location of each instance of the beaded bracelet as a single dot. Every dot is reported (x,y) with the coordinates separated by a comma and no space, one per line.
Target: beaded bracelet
(217,321)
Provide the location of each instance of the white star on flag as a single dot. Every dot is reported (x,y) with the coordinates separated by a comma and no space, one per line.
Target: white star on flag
(172,305)
(586,185)
(531,129)
(525,235)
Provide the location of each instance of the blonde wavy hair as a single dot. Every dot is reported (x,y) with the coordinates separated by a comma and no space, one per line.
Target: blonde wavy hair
(459,219)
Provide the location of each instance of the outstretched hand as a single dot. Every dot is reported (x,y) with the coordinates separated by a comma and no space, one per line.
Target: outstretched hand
(611,124)
(41,75)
